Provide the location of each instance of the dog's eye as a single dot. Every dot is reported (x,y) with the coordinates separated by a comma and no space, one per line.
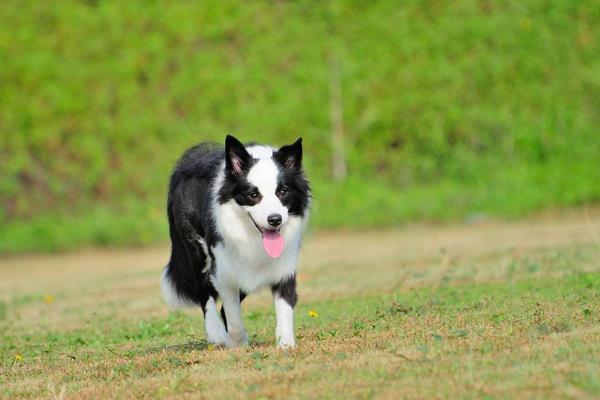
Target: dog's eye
(253,195)
(283,191)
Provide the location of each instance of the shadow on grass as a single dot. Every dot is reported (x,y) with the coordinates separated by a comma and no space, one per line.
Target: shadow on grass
(199,345)
(190,345)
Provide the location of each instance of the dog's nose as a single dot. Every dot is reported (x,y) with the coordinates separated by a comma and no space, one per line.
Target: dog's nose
(274,220)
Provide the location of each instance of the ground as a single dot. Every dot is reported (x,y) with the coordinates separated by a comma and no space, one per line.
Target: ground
(484,309)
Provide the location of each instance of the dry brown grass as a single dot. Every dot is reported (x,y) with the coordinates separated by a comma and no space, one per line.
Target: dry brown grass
(494,309)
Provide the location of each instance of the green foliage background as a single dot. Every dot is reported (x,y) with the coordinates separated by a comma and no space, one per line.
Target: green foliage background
(451,109)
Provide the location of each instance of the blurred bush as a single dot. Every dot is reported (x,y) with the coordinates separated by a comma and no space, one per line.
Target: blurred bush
(449,108)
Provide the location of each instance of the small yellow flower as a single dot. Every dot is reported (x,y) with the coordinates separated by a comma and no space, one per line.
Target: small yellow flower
(48,299)
(18,357)
(210,347)
(313,314)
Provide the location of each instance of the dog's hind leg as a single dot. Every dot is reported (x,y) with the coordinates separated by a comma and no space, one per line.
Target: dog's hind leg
(232,306)
(215,329)
(242,297)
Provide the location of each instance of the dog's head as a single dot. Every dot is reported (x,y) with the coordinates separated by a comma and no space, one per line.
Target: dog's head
(268,184)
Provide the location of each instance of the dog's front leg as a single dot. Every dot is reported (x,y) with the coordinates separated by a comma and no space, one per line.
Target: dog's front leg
(284,299)
(233,312)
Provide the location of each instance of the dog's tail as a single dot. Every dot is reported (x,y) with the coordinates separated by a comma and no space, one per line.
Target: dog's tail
(170,294)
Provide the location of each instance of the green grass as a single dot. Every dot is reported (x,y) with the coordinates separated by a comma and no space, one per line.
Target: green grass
(515,192)
(449,109)
(493,323)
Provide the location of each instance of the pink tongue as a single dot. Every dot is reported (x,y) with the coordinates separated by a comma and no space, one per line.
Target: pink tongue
(273,243)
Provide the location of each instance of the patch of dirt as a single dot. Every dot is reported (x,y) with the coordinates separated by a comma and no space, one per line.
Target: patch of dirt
(139,269)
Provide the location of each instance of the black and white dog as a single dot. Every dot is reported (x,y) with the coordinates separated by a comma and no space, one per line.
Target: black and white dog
(236,219)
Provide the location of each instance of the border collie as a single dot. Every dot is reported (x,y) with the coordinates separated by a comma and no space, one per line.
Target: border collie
(236,219)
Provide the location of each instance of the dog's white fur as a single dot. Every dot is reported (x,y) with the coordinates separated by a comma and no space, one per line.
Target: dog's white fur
(215,328)
(243,263)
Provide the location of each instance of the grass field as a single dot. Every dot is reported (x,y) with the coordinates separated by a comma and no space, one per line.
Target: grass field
(491,309)
(448,108)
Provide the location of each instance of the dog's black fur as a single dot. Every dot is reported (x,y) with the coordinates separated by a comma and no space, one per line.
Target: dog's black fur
(189,213)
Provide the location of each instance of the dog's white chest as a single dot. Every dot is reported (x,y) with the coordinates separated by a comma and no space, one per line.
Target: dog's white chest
(251,272)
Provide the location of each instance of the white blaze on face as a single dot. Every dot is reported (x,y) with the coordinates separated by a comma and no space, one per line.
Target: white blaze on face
(263,175)
(258,151)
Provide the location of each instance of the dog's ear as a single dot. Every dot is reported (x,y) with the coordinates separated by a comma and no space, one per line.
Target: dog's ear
(290,156)
(236,156)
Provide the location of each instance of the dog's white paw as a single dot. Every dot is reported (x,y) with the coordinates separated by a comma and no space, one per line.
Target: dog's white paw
(286,343)
(220,341)
(237,338)
(286,346)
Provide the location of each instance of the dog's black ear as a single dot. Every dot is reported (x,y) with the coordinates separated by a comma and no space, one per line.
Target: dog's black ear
(237,158)
(290,156)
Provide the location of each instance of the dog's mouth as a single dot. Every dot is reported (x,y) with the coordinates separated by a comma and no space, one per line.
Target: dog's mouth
(273,241)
